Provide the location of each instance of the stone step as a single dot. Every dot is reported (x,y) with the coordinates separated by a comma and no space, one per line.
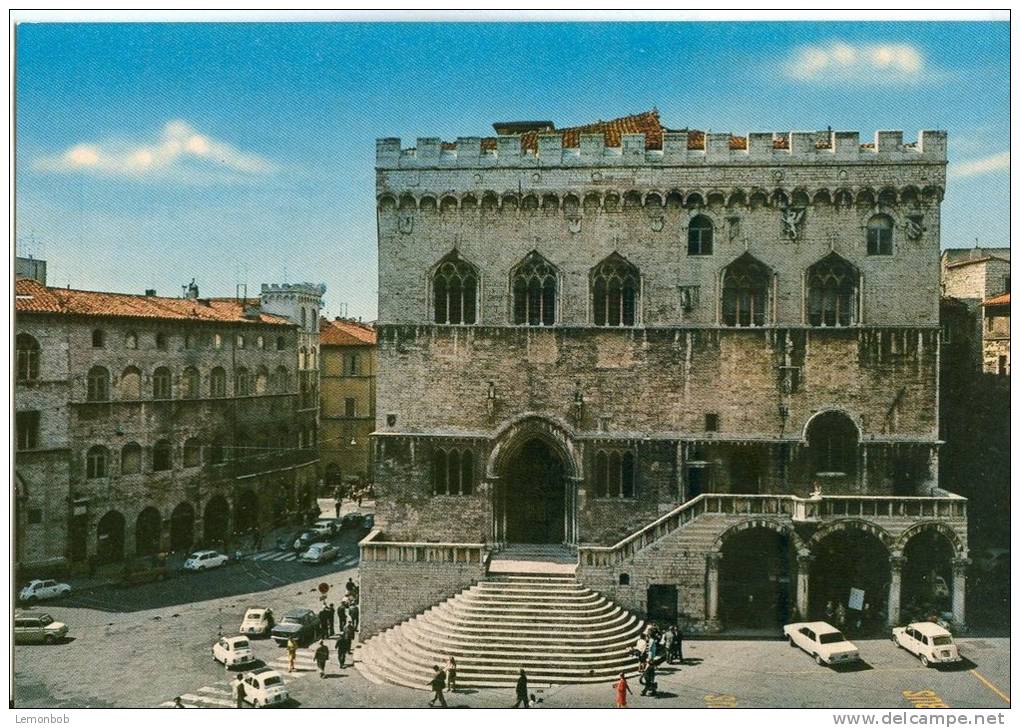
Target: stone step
(542,595)
(440,628)
(471,624)
(518,640)
(497,601)
(416,661)
(503,614)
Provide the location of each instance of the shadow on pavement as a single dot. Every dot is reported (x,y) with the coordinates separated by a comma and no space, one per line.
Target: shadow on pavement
(858,666)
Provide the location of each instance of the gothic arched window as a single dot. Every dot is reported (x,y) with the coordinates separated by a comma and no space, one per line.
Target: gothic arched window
(615,292)
(745,298)
(533,283)
(832,292)
(832,442)
(455,291)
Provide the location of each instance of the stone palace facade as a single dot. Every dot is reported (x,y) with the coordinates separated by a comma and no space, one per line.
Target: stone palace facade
(707,364)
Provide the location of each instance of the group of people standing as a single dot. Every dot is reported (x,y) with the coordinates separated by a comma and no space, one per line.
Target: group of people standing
(335,620)
(652,648)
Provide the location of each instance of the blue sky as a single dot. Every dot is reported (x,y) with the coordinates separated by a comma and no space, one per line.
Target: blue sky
(150,153)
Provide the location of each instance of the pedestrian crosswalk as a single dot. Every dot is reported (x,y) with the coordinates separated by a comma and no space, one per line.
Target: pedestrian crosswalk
(275,555)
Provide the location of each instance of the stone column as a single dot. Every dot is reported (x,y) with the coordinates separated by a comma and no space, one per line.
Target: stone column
(933,470)
(895,578)
(960,592)
(712,591)
(803,579)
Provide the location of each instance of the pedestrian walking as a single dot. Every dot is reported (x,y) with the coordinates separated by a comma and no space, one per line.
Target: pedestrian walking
(239,691)
(291,654)
(341,615)
(840,615)
(648,680)
(653,648)
(321,656)
(355,612)
(331,619)
(178,703)
(350,633)
(343,646)
(640,648)
(437,685)
(352,589)
(667,644)
(451,674)
(830,611)
(336,506)
(679,645)
(323,621)
(522,690)
(622,688)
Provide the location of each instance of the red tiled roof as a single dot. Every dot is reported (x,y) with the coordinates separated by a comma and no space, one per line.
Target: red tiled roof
(33,297)
(1001,300)
(646,123)
(345,333)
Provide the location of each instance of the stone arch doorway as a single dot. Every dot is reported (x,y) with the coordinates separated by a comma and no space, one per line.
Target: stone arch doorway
(182,527)
(927,586)
(850,556)
(757,576)
(532,499)
(148,526)
(215,521)
(110,538)
(246,512)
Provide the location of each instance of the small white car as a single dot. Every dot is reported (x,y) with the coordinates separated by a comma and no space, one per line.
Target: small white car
(257,622)
(40,589)
(202,560)
(233,651)
(264,686)
(318,553)
(931,643)
(37,627)
(822,641)
(326,527)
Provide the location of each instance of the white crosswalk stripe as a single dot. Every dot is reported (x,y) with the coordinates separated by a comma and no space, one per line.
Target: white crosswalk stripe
(274,555)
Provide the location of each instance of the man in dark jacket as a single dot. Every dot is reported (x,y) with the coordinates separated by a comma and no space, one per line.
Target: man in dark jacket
(438,684)
(648,678)
(331,619)
(321,656)
(343,646)
(323,622)
(522,690)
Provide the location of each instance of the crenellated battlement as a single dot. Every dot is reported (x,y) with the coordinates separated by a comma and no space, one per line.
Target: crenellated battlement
(678,148)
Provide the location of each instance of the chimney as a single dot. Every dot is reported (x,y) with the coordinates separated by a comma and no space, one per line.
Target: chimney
(150,291)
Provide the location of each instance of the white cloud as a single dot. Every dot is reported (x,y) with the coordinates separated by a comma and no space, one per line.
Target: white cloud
(180,150)
(840,61)
(974,167)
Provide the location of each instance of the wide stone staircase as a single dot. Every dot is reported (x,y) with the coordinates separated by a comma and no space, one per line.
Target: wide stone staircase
(547,623)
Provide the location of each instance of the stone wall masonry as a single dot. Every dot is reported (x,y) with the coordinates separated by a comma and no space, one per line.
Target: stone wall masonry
(395,591)
(654,239)
(654,382)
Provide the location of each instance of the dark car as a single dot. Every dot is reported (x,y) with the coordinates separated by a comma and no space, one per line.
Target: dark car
(297,624)
(368,522)
(352,520)
(302,540)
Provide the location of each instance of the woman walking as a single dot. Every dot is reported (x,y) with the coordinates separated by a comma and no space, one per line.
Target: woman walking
(622,688)
(451,674)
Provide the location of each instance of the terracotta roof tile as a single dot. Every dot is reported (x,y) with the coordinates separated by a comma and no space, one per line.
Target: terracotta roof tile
(646,123)
(33,297)
(984,259)
(345,333)
(1001,300)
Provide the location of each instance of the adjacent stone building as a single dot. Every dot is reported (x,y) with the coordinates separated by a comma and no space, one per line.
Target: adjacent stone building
(148,424)
(705,364)
(348,376)
(979,277)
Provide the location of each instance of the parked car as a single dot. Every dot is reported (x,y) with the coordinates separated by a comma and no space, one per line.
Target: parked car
(327,527)
(368,522)
(303,540)
(35,627)
(202,560)
(263,687)
(257,622)
(822,641)
(233,651)
(39,589)
(928,641)
(352,519)
(299,624)
(319,553)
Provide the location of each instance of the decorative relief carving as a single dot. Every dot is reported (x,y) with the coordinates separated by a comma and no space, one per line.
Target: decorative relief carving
(405,223)
(792,218)
(914,227)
